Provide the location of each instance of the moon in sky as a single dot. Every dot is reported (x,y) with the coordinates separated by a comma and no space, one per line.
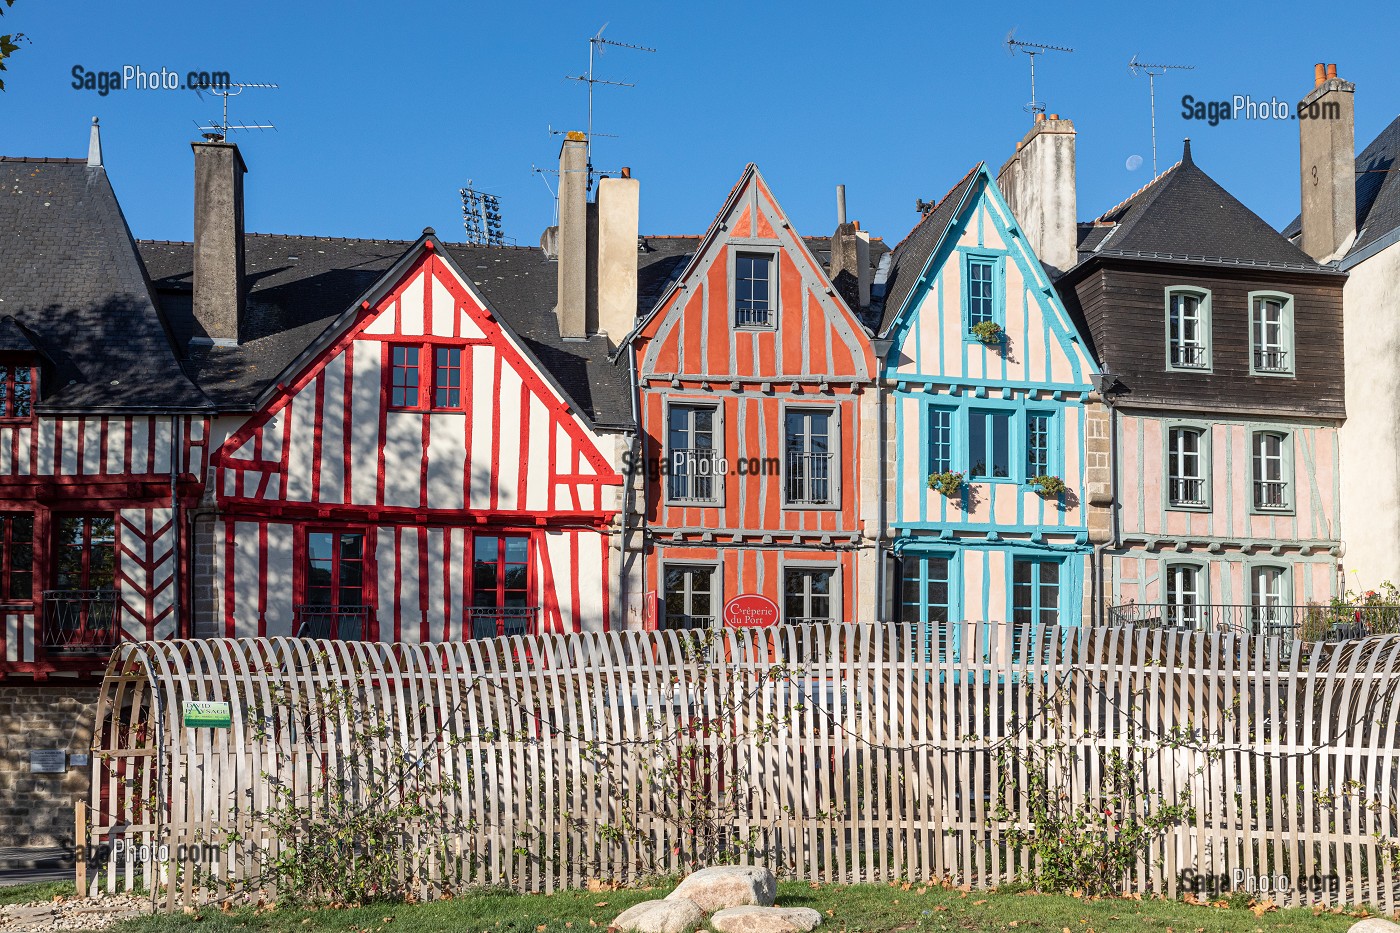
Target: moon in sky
(1134,163)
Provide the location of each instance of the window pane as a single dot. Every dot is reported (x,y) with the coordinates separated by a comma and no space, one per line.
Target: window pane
(977,443)
(1037,444)
(940,423)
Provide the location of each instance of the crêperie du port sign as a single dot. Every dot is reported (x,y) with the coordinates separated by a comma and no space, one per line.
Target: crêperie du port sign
(750,610)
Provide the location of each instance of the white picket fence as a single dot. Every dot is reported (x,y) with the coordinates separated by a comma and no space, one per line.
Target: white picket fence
(835,754)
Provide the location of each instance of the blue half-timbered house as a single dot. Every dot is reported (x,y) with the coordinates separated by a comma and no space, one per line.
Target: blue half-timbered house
(990,400)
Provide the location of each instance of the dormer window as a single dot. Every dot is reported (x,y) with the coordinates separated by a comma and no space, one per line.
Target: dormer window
(1188,329)
(17,381)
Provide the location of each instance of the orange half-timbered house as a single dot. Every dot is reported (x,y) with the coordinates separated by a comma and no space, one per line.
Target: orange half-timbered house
(755,384)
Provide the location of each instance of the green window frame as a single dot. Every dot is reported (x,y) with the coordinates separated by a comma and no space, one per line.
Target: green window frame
(1272,350)
(1186,467)
(1188,334)
(1271,487)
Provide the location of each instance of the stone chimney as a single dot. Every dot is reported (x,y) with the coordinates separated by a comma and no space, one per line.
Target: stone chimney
(95,145)
(572,306)
(1038,183)
(218,242)
(1327,143)
(616,277)
(849,268)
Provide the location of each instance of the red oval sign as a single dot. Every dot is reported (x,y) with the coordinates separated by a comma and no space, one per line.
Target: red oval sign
(750,610)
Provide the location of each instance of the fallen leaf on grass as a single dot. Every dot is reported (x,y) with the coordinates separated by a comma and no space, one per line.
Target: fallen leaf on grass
(923,890)
(941,907)
(978,903)
(831,913)
(599,904)
(1263,907)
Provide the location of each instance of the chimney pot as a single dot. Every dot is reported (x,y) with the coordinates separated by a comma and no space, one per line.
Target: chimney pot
(1319,74)
(1054,116)
(840,204)
(1332,71)
(627,171)
(1040,118)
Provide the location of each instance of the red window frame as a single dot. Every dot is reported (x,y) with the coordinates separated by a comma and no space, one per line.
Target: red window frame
(8,543)
(304,586)
(438,376)
(9,367)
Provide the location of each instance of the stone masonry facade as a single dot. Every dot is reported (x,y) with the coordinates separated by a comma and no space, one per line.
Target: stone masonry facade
(37,809)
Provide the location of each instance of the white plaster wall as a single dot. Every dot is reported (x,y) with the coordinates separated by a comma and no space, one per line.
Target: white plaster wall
(1370,438)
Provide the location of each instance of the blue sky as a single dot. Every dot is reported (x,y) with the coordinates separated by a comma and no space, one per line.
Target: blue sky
(385,110)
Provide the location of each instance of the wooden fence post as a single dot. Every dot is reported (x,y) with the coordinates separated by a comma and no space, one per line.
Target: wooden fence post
(80,846)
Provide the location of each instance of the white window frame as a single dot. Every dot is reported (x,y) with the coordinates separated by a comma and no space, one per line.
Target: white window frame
(834,595)
(716,588)
(1181,613)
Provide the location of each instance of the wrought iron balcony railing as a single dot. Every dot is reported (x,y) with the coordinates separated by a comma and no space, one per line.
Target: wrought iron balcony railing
(1306,623)
(1271,361)
(1186,491)
(80,621)
(674,620)
(1188,356)
(809,478)
(693,471)
(341,623)
(1270,494)
(494,621)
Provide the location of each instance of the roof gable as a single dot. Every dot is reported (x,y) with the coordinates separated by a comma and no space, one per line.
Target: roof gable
(1042,345)
(911,256)
(511,412)
(691,331)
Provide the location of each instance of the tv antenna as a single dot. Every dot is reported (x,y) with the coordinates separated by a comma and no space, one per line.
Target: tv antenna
(1152,71)
(481,216)
(1014,45)
(598,45)
(218,131)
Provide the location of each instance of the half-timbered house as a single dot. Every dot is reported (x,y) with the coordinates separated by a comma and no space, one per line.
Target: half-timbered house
(1221,342)
(755,383)
(402,453)
(989,403)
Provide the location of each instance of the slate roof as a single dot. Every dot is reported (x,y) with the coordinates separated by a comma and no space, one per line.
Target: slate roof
(1184,215)
(910,255)
(1377,197)
(298,285)
(71,280)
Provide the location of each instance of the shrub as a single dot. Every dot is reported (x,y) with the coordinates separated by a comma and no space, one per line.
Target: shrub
(948,483)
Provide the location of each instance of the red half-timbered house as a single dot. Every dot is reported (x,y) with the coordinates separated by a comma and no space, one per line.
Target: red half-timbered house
(415,474)
(755,384)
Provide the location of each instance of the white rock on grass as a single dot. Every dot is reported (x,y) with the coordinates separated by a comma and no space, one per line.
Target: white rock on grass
(728,886)
(676,915)
(766,920)
(1374,925)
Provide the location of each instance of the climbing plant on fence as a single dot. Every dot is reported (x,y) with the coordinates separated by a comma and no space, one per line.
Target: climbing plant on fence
(1090,759)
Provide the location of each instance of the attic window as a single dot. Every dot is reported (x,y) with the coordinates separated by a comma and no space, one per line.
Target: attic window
(17,380)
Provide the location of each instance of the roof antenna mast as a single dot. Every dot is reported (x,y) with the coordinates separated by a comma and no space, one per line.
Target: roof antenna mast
(217,131)
(597,44)
(481,216)
(1014,45)
(1152,71)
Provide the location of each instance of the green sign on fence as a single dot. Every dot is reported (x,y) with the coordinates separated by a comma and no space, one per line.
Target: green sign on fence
(206,714)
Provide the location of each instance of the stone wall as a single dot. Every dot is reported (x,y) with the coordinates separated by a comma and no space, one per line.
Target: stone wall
(37,809)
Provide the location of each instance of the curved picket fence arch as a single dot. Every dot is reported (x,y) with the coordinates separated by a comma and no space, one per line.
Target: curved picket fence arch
(833,753)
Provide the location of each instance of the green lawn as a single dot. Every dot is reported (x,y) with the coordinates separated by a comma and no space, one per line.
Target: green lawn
(855,909)
(35,891)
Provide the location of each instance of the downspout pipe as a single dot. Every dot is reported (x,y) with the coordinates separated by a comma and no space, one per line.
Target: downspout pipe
(639,451)
(881,345)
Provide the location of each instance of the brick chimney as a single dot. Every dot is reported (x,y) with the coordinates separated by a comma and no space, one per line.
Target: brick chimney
(218,243)
(1327,145)
(572,239)
(1038,183)
(615,286)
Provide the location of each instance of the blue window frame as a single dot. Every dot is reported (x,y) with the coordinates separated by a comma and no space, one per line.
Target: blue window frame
(981,291)
(940,440)
(1039,440)
(989,444)
(927,597)
(1035,598)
